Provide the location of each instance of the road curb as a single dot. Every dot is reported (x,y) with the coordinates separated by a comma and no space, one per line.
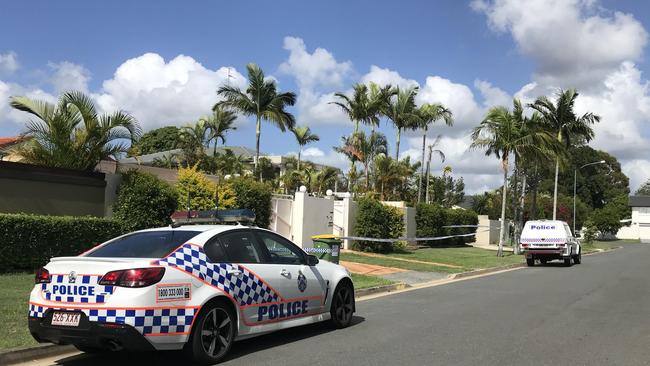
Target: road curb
(484,271)
(18,355)
(380,289)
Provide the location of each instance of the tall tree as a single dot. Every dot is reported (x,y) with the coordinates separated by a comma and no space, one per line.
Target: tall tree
(429,114)
(402,111)
(262,100)
(218,124)
(560,118)
(303,137)
(365,105)
(193,139)
(442,158)
(71,134)
(156,140)
(364,149)
(500,133)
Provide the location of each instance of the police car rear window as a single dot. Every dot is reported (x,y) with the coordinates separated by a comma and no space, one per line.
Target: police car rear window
(149,244)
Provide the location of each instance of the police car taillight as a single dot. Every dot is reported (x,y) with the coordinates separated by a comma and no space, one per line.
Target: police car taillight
(137,277)
(43,276)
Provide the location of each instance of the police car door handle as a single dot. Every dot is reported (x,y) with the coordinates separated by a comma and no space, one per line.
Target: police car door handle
(234,272)
(285,273)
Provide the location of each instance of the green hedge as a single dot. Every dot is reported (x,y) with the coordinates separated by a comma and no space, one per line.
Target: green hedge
(28,242)
(255,196)
(375,220)
(431,219)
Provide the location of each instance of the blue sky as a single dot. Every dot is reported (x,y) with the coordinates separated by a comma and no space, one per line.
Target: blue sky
(469,55)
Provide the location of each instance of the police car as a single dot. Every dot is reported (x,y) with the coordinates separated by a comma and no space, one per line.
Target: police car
(192,287)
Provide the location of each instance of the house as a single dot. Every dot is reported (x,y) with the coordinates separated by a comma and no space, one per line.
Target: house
(639,228)
(8,145)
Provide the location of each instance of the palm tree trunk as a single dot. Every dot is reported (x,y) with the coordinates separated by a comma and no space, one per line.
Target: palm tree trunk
(367,172)
(520,219)
(424,142)
(299,151)
(399,133)
(258,131)
(426,197)
(515,204)
(502,232)
(557,171)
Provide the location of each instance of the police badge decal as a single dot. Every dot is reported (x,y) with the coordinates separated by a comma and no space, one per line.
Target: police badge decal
(302,282)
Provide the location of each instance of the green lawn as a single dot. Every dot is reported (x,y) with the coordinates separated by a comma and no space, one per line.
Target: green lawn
(604,245)
(14,295)
(467,257)
(363,281)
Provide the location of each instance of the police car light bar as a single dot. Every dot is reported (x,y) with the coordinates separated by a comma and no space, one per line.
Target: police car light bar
(213,217)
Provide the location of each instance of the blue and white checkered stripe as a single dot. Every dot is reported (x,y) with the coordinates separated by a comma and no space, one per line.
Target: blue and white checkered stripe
(158,321)
(90,280)
(246,288)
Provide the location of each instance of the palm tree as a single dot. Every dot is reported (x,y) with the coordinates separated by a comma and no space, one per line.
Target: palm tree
(563,121)
(192,139)
(364,149)
(365,105)
(442,158)
(324,178)
(429,114)
(402,112)
(303,136)
(71,134)
(218,124)
(262,100)
(500,133)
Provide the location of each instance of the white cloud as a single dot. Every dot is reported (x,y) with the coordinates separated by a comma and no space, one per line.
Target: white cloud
(492,95)
(159,93)
(638,170)
(8,62)
(329,157)
(68,76)
(12,121)
(457,97)
(572,42)
(383,77)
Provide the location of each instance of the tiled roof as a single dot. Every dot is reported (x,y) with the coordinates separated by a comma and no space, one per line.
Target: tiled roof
(639,201)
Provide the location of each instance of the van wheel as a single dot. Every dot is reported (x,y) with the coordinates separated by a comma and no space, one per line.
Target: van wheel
(542,261)
(530,262)
(213,334)
(567,261)
(578,258)
(342,306)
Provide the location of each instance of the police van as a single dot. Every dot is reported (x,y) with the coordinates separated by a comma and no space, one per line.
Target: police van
(547,240)
(193,287)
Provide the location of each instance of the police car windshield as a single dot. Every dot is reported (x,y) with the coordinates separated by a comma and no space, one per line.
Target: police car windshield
(149,244)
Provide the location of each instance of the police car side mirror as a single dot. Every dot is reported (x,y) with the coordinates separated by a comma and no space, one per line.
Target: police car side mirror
(312,260)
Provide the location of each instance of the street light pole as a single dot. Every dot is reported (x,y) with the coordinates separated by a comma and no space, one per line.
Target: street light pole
(575,179)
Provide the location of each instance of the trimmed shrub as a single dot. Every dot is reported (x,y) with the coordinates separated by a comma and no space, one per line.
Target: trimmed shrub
(195,185)
(144,201)
(253,195)
(430,221)
(375,220)
(28,242)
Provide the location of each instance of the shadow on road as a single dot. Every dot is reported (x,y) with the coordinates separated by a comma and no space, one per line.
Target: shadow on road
(239,349)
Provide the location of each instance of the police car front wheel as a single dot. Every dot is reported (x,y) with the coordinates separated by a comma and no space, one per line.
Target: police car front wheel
(342,305)
(213,334)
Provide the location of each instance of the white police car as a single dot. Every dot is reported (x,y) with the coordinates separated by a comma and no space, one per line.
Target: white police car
(192,287)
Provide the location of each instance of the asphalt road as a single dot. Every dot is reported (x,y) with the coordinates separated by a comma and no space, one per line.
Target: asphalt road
(596,313)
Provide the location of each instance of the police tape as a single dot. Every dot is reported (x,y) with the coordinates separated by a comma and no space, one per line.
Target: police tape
(433,238)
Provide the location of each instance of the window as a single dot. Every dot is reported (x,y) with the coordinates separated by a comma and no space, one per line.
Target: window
(281,250)
(240,246)
(214,251)
(147,244)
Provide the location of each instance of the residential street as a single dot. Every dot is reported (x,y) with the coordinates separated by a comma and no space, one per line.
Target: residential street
(596,313)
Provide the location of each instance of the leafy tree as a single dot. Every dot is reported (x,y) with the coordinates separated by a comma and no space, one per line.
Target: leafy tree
(144,201)
(364,149)
(193,139)
(262,100)
(71,134)
(644,190)
(501,134)
(376,220)
(401,110)
(608,219)
(264,169)
(447,191)
(255,196)
(560,118)
(482,204)
(429,114)
(157,140)
(324,179)
(195,188)
(303,137)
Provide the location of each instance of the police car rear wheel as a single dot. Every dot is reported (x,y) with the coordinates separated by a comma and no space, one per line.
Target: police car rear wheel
(342,306)
(213,334)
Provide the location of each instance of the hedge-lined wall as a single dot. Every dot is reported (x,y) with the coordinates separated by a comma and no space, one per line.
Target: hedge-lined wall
(430,220)
(376,220)
(28,242)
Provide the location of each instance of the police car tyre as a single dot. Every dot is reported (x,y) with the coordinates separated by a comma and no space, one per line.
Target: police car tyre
(213,334)
(530,262)
(342,306)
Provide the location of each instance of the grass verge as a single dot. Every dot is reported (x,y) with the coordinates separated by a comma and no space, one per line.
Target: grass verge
(386,261)
(467,257)
(13,314)
(364,281)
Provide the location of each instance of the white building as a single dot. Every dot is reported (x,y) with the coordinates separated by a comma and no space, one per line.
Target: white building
(639,228)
